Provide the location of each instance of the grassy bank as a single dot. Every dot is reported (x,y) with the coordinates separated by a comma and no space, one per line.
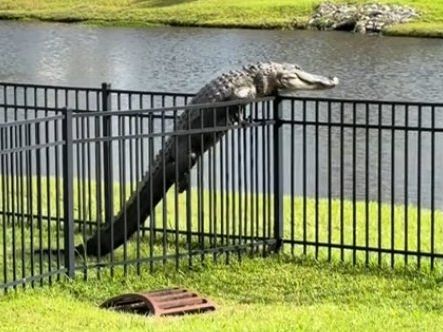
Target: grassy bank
(272,294)
(213,13)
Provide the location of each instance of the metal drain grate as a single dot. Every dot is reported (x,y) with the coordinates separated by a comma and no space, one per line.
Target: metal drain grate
(172,301)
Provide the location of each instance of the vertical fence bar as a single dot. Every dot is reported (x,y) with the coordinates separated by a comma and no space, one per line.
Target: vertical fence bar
(263,175)
(240,205)
(292,163)
(304,190)
(139,160)
(419,185)
(268,167)
(68,194)
(316,171)
(3,170)
(163,187)
(329,181)
(342,179)
(201,200)
(406,186)
(278,175)
(177,214)
(98,179)
(152,233)
(393,186)
(107,151)
(29,172)
(432,187)
(228,178)
(107,162)
(215,182)
(367,177)
(379,183)
(38,170)
(354,184)
(256,177)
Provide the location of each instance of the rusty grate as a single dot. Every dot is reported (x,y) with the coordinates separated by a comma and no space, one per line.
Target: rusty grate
(172,301)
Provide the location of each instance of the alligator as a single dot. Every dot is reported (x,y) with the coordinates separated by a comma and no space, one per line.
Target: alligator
(252,81)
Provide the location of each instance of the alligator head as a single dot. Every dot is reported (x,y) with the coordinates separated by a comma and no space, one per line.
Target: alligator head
(271,77)
(291,77)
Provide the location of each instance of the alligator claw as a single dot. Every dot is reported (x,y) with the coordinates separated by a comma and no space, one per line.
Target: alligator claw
(183,183)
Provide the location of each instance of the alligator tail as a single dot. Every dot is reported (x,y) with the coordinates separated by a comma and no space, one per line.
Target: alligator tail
(137,209)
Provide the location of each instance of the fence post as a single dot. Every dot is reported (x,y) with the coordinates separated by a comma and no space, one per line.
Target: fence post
(68,194)
(107,154)
(278,173)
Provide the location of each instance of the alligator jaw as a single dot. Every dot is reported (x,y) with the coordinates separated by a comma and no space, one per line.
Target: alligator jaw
(316,82)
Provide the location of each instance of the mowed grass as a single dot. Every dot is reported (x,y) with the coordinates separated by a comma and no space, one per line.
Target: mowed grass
(268,294)
(276,293)
(211,13)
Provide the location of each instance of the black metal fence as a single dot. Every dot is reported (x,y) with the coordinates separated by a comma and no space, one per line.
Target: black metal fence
(363,180)
(335,179)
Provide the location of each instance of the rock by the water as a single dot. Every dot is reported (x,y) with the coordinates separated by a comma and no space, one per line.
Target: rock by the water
(365,18)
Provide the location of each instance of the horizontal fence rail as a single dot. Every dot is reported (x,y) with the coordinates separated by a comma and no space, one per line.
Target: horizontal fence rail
(350,180)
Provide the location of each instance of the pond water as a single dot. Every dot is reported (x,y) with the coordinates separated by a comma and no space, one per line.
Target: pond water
(184,59)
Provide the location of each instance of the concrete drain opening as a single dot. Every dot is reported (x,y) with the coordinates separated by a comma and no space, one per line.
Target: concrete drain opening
(172,301)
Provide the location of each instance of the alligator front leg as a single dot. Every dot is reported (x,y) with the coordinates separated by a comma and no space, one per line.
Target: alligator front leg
(238,115)
(184,183)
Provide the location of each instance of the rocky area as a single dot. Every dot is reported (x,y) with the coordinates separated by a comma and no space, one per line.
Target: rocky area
(365,18)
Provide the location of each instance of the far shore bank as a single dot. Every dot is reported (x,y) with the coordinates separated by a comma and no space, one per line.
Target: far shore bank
(251,14)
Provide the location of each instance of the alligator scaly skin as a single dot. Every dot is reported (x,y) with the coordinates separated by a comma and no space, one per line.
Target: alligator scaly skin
(253,81)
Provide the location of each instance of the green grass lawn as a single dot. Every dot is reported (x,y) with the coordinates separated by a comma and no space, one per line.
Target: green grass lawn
(340,223)
(218,13)
(277,293)
(270,294)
